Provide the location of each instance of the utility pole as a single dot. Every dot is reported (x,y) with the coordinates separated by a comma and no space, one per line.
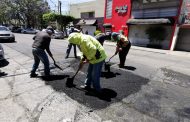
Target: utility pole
(59,7)
(59,12)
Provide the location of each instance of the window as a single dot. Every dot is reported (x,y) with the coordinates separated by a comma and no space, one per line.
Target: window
(87,15)
(152,1)
(107,30)
(109,9)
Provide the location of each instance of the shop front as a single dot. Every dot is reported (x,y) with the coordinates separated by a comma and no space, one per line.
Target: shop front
(117,12)
(142,31)
(182,42)
(152,23)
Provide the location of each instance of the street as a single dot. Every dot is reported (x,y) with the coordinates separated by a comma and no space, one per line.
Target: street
(154,86)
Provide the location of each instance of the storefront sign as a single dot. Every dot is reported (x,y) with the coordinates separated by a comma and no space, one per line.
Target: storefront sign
(121,9)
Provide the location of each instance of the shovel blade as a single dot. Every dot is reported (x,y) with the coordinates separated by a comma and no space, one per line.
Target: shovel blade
(69,82)
(107,67)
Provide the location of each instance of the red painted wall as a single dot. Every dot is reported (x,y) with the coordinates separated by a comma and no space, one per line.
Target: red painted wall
(119,20)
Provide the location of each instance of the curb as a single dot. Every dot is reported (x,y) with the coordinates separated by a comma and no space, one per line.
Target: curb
(175,53)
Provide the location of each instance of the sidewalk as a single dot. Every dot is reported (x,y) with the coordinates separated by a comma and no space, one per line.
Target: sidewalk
(175,53)
(25,99)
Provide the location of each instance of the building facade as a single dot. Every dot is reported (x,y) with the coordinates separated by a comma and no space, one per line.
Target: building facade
(153,22)
(89,15)
(182,33)
(117,12)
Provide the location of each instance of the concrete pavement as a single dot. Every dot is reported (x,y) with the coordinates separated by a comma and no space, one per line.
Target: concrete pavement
(164,96)
(25,99)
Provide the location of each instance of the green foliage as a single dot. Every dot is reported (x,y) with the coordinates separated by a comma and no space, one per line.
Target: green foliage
(49,17)
(64,19)
(156,34)
(23,12)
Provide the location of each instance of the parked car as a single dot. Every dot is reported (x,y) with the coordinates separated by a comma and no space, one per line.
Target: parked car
(29,31)
(1,53)
(6,34)
(58,34)
(16,29)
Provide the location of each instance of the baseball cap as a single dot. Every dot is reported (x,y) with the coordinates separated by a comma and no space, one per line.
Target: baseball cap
(114,36)
(49,29)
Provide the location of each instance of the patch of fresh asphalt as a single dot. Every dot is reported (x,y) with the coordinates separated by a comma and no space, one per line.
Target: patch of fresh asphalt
(117,85)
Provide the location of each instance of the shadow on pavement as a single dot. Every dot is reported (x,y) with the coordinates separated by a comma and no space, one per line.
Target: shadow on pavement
(53,77)
(4,63)
(106,95)
(3,74)
(109,74)
(115,88)
(129,68)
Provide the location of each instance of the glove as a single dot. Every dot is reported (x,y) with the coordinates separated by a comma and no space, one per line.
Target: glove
(97,54)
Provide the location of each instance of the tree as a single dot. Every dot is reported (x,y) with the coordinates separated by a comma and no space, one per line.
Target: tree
(62,20)
(28,12)
(5,10)
(49,17)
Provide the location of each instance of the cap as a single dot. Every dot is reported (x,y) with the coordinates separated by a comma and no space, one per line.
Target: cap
(114,35)
(49,29)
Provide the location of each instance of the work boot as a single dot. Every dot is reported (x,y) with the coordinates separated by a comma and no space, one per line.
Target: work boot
(32,75)
(88,88)
(121,65)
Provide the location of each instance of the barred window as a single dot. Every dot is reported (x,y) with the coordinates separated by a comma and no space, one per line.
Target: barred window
(109,9)
(87,15)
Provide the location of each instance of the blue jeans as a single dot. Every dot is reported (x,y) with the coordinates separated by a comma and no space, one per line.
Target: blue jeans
(93,76)
(40,55)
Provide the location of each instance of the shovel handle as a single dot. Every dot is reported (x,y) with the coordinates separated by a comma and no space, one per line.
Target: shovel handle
(55,63)
(79,68)
(111,58)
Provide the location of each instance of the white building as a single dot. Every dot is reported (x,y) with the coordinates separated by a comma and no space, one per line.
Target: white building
(89,15)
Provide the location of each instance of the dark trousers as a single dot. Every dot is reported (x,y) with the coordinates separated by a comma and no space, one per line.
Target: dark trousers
(40,55)
(123,54)
(69,49)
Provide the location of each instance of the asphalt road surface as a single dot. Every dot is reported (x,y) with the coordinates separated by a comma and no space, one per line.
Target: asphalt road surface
(153,86)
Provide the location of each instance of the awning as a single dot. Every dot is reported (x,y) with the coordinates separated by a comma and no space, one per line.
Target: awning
(149,21)
(107,25)
(87,22)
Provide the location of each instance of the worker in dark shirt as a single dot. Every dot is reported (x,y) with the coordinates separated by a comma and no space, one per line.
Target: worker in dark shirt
(41,43)
(101,37)
(122,47)
(70,44)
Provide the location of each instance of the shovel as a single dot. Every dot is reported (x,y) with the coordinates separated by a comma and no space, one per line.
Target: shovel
(107,65)
(69,82)
(111,58)
(56,64)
